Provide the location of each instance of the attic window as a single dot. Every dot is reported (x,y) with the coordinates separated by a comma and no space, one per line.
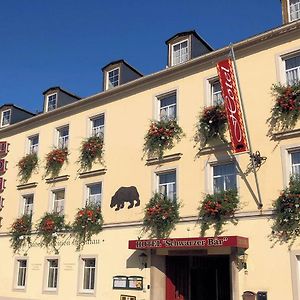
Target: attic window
(5,118)
(180,52)
(113,78)
(51,102)
(294,10)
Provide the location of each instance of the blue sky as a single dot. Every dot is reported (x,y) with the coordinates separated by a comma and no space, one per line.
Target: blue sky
(67,42)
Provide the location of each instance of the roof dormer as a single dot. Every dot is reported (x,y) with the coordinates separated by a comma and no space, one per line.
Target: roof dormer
(184,46)
(290,10)
(56,97)
(117,73)
(11,114)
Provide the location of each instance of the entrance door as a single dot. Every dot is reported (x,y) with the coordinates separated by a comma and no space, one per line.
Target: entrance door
(198,278)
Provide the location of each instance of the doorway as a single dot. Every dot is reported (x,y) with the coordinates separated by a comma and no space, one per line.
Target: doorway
(198,277)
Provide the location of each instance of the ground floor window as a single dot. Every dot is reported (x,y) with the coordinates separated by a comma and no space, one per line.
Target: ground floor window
(89,274)
(21,273)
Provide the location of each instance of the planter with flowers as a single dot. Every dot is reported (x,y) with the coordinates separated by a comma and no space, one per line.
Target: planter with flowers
(20,233)
(27,165)
(161,216)
(217,209)
(162,135)
(212,124)
(88,222)
(49,226)
(55,160)
(91,150)
(286,225)
(286,110)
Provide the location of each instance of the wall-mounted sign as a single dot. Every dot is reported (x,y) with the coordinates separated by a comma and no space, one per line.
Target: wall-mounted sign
(127,297)
(2,184)
(2,165)
(188,243)
(3,148)
(125,194)
(232,107)
(128,282)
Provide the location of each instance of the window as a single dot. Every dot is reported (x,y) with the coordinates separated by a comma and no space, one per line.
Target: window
(89,274)
(295,162)
(51,102)
(167,106)
(294,10)
(113,78)
(94,192)
(97,125)
(167,184)
(5,119)
(224,177)
(52,274)
(21,273)
(33,142)
(292,69)
(180,52)
(63,137)
(58,199)
(216,93)
(27,204)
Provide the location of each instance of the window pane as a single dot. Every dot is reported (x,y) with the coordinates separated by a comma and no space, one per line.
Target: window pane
(167,184)
(295,157)
(89,274)
(22,265)
(168,106)
(52,273)
(224,177)
(94,194)
(28,204)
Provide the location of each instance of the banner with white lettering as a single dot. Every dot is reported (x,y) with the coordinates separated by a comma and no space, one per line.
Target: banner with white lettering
(236,126)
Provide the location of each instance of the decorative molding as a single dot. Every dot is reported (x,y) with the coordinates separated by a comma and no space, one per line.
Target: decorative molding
(27,186)
(92,173)
(286,134)
(57,179)
(213,149)
(164,159)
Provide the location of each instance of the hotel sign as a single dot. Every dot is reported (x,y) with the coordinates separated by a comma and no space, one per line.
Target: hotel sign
(3,148)
(232,107)
(2,181)
(2,165)
(189,243)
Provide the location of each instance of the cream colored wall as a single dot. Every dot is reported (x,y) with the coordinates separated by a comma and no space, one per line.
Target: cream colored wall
(126,122)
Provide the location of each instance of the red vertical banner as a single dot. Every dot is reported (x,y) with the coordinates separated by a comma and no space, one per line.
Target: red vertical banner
(2,166)
(3,148)
(234,115)
(1,203)
(2,181)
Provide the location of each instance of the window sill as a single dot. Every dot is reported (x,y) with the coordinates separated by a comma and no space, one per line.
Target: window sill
(286,134)
(92,173)
(57,179)
(27,185)
(164,159)
(213,149)
(89,293)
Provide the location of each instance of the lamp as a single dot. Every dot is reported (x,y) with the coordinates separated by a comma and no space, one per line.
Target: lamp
(243,260)
(143,258)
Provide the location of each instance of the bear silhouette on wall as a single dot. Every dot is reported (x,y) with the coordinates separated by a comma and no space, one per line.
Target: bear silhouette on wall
(125,194)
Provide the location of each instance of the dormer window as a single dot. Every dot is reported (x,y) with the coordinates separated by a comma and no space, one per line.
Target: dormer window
(52,102)
(294,10)
(113,78)
(5,118)
(180,52)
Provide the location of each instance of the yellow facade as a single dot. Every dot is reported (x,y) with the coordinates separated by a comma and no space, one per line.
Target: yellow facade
(128,110)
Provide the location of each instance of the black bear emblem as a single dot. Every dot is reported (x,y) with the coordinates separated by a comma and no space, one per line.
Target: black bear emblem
(125,194)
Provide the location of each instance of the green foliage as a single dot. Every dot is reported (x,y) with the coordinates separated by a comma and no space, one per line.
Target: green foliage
(88,222)
(26,166)
(286,110)
(212,124)
(286,225)
(49,226)
(217,209)
(161,136)
(54,161)
(20,233)
(90,151)
(161,216)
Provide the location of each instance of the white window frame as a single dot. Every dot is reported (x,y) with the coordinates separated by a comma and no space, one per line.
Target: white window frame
(87,188)
(158,185)
(286,160)
(216,164)
(47,104)
(290,161)
(62,140)
(99,129)
(33,148)
(172,52)
(212,93)
(53,193)
(47,273)
(17,274)
(23,203)
(81,273)
(289,11)
(2,114)
(159,98)
(108,85)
